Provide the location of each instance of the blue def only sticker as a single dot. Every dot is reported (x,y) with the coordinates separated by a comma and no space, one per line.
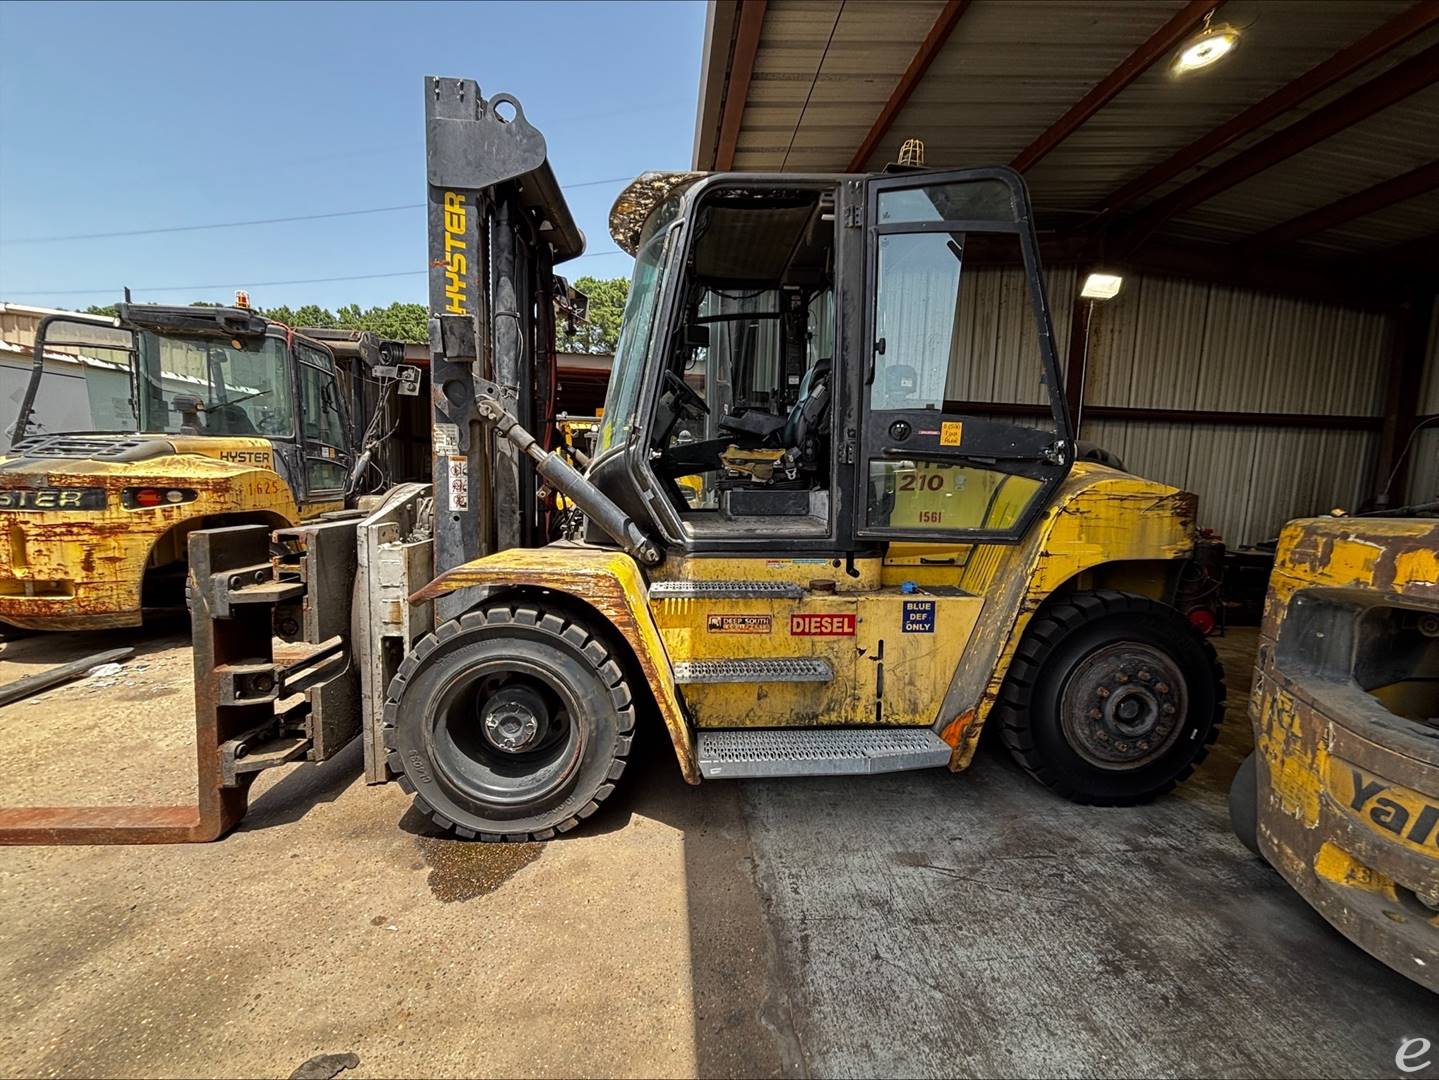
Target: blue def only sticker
(918,617)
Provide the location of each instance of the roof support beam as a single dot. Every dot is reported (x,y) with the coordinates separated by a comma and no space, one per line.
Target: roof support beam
(1412,321)
(1318,78)
(929,48)
(1371,200)
(751,21)
(1108,88)
(1396,84)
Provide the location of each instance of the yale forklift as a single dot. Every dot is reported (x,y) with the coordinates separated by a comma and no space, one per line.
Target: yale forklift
(806,539)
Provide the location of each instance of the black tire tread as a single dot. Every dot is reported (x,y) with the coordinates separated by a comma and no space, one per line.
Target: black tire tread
(580,641)
(1046,630)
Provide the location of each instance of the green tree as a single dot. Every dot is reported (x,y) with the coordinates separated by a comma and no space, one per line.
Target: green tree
(601,330)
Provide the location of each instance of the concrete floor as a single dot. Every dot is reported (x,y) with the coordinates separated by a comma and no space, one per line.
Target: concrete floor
(916,924)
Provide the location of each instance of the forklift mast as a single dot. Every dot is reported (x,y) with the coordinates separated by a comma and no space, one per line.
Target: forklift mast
(336,590)
(497,226)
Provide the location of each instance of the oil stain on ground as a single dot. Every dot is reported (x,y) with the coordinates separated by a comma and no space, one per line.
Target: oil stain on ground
(463,870)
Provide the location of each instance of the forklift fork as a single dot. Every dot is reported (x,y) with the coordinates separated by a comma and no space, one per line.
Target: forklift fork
(242,596)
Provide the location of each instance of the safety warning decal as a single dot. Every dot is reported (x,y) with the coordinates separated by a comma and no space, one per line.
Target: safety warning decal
(459,483)
(812,625)
(446,438)
(951,433)
(918,617)
(738,624)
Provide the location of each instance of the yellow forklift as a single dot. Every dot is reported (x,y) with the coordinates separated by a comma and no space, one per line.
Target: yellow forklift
(137,430)
(1341,795)
(807,541)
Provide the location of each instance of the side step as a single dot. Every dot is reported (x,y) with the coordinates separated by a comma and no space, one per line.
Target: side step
(725,590)
(770,670)
(746,752)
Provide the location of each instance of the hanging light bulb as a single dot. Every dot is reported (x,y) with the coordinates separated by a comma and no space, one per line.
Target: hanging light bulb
(1208,45)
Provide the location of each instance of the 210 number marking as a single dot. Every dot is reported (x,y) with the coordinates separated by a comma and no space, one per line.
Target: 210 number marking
(921,482)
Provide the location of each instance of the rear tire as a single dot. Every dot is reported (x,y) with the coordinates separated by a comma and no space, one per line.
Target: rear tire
(1112,699)
(1244,804)
(509,723)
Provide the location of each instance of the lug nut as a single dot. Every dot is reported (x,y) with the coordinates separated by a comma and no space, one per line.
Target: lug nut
(1167,710)
(1096,714)
(1145,676)
(1162,687)
(1103,691)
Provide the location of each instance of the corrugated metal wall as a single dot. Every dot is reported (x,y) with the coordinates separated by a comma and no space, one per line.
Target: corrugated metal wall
(1424,461)
(1165,343)
(1170,344)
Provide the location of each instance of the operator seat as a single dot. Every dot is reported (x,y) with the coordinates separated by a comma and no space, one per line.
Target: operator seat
(809,417)
(228,419)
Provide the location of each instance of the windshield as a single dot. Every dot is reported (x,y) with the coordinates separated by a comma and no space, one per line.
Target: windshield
(637,325)
(213,386)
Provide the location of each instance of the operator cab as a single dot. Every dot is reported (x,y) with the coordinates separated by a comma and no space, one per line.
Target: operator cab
(742,422)
(807,360)
(122,386)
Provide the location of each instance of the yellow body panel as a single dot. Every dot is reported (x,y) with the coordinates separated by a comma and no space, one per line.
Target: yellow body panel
(943,661)
(63,569)
(1348,783)
(608,581)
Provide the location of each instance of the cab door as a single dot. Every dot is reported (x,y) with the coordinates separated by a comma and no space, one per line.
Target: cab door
(324,446)
(953,270)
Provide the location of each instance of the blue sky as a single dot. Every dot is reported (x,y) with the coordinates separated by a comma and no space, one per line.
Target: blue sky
(137,116)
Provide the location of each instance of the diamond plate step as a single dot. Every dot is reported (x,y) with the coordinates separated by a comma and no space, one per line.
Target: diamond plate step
(726,755)
(725,590)
(773,670)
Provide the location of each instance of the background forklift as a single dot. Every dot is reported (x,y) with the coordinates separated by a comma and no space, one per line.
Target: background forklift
(135,431)
(805,541)
(1341,794)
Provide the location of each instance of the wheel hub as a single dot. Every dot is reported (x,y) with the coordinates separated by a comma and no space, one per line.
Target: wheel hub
(515,719)
(1123,706)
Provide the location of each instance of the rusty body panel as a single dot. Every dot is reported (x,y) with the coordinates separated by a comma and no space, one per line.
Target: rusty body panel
(1104,527)
(82,569)
(608,581)
(1347,743)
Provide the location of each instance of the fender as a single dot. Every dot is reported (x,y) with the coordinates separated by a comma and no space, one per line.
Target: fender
(608,581)
(1100,519)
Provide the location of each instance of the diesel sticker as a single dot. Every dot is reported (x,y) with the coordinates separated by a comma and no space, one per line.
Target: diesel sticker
(918,617)
(821,625)
(738,624)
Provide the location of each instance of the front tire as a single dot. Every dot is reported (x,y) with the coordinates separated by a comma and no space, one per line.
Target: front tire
(1112,699)
(509,723)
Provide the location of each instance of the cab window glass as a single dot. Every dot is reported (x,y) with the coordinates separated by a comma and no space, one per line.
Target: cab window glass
(324,421)
(967,200)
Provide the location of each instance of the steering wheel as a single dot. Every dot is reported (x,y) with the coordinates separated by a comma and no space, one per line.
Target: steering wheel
(685,392)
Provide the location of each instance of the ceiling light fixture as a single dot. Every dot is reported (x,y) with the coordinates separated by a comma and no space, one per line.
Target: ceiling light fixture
(1208,45)
(1101,286)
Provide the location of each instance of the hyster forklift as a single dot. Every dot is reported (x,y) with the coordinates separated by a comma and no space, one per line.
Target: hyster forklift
(806,540)
(137,430)
(1341,795)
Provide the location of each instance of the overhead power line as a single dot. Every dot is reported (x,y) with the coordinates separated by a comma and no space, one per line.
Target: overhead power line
(260,221)
(254,284)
